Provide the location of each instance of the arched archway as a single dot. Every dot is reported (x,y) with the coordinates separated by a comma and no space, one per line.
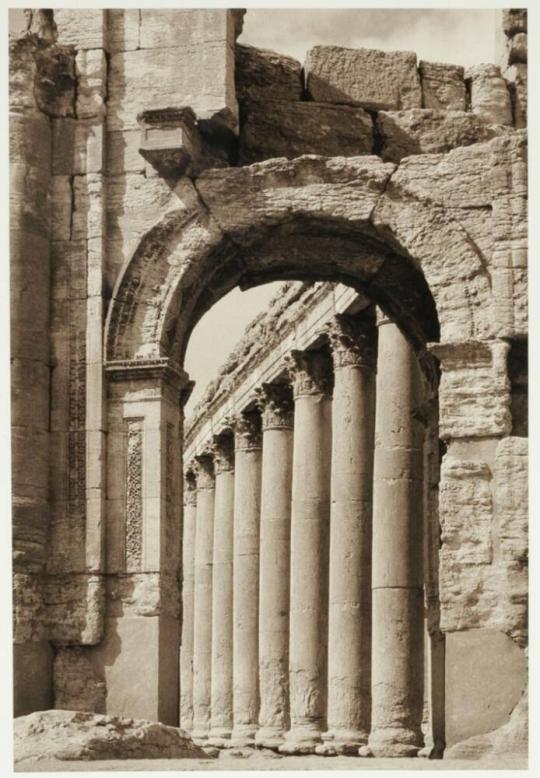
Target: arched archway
(350,220)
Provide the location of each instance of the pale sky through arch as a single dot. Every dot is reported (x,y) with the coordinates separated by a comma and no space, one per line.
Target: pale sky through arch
(458,36)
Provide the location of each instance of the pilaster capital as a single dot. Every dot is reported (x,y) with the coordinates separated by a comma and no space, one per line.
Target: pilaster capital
(204,469)
(247,429)
(311,373)
(353,341)
(150,373)
(277,406)
(223,448)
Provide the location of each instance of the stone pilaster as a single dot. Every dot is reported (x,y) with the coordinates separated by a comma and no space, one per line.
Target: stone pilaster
(311,374)
(398,618)
(247,507)
(221,720)
(276,403)
(202,605)
(353,344)
(188,573)
(144,450)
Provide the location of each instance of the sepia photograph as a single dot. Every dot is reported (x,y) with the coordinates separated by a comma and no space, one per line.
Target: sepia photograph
(268,388)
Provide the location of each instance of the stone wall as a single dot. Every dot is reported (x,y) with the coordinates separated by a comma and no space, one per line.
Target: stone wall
(155,164)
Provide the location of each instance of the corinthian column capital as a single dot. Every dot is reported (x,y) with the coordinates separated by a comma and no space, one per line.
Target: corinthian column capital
(223,449)
(276,404)
(190,486)
(247,430)
(204,469)
(310,372)
(353,342)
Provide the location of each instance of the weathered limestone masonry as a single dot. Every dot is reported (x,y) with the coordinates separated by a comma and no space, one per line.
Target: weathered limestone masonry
(339,562)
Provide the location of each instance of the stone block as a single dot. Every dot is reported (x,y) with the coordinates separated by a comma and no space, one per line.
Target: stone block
(122,153)
(170,141)
(421,131)
(261,74)
(83,28)
(511,498)
(32,677)
(466,511)
(203,79)
(123,27)
(61,207)
(443,86)
(517,48)
(30,462)
(30,140)
(28,609)
(77,147)
(29,204)
(490,98)
(516,76)
(77,686)
(75,608)
(30,394)
(372,79)
(288,129)
(30,521)
(174,27)
(91,69)
(514,20)
(68,270)
(486,673)
(88,207)
(474,389)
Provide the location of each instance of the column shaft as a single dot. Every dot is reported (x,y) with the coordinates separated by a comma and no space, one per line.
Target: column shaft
(247,503)
(188,567)
(349,630)
(309,551)
(274,585)
(222,598)
(397,671)
(202,605)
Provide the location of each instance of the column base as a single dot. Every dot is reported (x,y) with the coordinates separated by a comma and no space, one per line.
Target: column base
(342,742)
(220,737)
(199,735)
(270,737)
(303,740)
(243,736)
(395,742)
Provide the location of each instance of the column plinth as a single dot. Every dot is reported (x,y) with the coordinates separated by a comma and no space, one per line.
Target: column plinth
(353,345)
(398,629)
(311,374)
(202,605)
(276,403)
(247,505)
(222,600)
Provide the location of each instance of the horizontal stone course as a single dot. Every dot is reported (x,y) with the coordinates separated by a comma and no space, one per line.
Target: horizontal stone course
(372,79)
(286,129)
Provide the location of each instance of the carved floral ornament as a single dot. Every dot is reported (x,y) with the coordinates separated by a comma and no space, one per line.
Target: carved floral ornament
(277,406)
(223,448)
(247,430)
(353,341)
(311,372)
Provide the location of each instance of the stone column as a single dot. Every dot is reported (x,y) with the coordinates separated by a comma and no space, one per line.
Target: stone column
(398,625)
(311,374)
(354,354)
(222,587)
(247,507)
(277,418)
(202,604)
(188,570)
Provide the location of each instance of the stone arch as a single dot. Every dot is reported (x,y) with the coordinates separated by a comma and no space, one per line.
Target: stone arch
(354,220)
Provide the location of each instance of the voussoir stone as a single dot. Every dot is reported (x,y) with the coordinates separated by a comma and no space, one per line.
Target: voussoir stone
(261,73)
(285,129)
(77,735)
(373,79)
(421,131)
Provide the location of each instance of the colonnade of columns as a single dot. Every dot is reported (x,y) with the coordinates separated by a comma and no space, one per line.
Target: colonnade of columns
(303,580)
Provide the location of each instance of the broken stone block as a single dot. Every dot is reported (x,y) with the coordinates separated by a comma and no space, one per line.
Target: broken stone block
(285,129)
(170,141)
(517,48)
(490,99)
(372,79)
(443,86)
(263,74)
(516,77)
(69,735)
(421,131)
(514,20)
